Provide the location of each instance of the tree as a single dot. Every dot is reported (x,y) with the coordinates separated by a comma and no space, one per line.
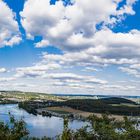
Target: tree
(99,128)
(67,134)
(15,130)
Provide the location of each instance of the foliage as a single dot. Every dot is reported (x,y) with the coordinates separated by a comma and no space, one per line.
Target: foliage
(66,135)
(15,130)
(114,105)
(104,128)
(99,128)
(104,105)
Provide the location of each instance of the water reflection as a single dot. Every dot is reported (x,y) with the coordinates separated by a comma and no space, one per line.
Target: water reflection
(37,125)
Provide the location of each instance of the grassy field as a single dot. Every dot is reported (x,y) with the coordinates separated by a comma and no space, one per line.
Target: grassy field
(78,112)
(59,111)
(129,105)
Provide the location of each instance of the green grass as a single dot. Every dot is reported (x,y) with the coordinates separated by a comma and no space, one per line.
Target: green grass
(59,111)
(128,105)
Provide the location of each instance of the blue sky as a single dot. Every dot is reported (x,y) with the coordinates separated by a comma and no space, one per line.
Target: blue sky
(70,47)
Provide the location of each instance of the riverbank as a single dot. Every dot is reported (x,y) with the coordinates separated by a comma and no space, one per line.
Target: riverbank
(83,108)
(38,125)
(65,111)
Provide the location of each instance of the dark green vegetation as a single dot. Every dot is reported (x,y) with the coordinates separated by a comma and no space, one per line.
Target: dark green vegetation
(116,100)
(124,106)
(60,112)
(118,106)
(31,106)
(103,128)
(13,131)
(7,102)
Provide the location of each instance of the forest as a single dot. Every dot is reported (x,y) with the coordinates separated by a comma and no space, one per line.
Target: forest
(114,105)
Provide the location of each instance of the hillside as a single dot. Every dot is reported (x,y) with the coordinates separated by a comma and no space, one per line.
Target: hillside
(113,105)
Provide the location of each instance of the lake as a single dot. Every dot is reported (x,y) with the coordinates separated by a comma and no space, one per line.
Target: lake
(38,126)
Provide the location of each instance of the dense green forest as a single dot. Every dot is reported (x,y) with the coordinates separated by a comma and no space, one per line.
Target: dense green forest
(118,106)
(103,128)
(116,100)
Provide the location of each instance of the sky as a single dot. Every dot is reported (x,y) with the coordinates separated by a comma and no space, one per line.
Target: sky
(70,46)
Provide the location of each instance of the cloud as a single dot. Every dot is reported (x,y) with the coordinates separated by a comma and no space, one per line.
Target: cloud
(84,58)
(72,78)
(38,16)
(91,69)
(9,31)
(135,66)
(87,52)
(45,71)
(73,26)
(131,71)
(41,79)
(114,43)
(41,44)
(36,70)
(7,79)
(119,87)
(3,70)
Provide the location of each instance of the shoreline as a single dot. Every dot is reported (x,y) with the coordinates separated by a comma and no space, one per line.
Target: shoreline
(77,114)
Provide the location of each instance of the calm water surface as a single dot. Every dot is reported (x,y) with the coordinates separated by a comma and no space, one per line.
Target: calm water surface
(38,126)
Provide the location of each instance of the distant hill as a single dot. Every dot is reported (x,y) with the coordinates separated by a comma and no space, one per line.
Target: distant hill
(74,94)
(117,100)
(119,106)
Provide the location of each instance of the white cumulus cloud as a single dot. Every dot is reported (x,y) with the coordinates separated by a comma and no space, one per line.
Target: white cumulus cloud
(9,30)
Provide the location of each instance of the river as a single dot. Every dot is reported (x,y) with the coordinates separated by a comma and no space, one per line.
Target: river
(38,126)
